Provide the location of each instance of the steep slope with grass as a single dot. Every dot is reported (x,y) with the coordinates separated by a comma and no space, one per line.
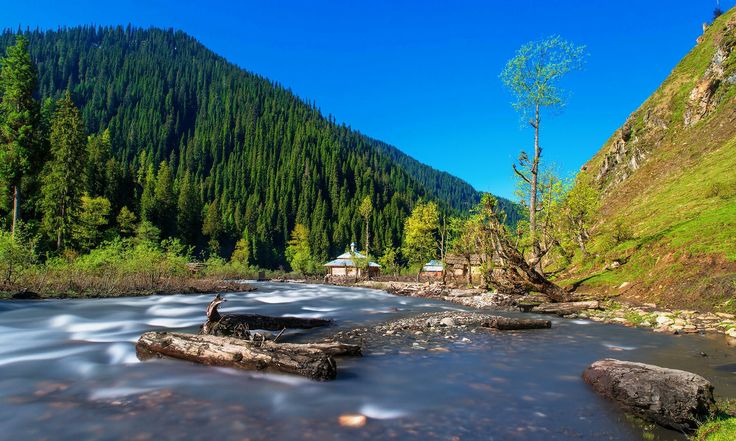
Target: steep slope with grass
(667,177)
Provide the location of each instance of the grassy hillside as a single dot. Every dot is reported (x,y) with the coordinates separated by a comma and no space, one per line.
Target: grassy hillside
(667,229)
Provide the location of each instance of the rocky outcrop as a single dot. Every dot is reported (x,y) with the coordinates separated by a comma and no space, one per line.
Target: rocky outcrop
(672,398)
(701,99)
(643,132)
(630,147)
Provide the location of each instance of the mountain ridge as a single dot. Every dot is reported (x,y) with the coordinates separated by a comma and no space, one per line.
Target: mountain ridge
(268,158)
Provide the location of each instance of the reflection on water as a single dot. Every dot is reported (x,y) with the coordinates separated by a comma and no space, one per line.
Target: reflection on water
(69,371)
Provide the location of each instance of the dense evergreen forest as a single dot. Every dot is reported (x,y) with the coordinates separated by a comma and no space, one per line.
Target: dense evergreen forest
(213,154)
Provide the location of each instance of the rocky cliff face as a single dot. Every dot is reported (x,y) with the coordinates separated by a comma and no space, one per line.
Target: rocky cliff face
(645,129)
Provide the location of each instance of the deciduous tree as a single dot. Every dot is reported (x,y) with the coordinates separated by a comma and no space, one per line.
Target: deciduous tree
(533,76)
(420,233)
(298,253)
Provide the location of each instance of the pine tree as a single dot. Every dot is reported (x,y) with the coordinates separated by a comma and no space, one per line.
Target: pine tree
(126,222)
(189,211)
(99,152)
(163,214)
(63,182)
(18,119)
(148,197)
(212,227)
(88,231)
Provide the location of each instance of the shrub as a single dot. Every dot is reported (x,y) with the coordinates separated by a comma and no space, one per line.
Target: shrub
(15,258)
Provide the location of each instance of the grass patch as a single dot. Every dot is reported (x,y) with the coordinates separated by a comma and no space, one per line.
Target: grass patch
(717,430)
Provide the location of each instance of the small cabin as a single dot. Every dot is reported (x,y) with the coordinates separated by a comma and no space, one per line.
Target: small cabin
(464,267)
(347,265)
(432,270)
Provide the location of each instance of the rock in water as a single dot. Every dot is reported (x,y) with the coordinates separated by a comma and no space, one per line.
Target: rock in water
(671,398)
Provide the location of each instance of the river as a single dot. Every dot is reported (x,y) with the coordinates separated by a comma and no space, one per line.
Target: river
(68,371)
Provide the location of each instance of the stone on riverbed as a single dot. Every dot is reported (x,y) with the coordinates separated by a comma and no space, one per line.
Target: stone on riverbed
(671,398)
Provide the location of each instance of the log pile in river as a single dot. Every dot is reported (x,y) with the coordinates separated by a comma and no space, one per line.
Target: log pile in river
(246,350)
(227,340)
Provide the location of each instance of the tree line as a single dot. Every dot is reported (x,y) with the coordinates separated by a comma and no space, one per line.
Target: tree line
(116,130)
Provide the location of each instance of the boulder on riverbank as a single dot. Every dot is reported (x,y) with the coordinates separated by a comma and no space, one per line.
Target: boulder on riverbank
(672,398)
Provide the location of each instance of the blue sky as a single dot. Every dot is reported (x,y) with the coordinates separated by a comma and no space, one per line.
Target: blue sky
(423,75)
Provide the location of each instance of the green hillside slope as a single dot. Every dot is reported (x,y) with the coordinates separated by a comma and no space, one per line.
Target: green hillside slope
(267,158)
(667,230)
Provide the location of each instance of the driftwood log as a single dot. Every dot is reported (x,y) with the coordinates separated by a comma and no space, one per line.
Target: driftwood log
(671,398)
(512,324)
(314,361)
(472,321)
(565,308)
(240,325)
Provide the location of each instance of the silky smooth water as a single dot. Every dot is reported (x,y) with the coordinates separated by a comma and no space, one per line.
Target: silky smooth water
(68,371)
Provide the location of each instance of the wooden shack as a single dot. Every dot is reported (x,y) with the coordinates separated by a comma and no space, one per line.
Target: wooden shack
(432,270)
(349,264)
(461,267)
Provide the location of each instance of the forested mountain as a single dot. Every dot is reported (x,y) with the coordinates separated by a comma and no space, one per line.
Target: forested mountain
(244,156)
(667,218)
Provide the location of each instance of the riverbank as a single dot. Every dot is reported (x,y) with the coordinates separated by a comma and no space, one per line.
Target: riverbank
(648,316)
(100,288)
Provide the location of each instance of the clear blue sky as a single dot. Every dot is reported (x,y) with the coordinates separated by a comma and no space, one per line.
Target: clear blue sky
(423,75)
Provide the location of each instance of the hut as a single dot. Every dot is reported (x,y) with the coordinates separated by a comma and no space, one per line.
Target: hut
(464,267)
(432,270)
(347,265)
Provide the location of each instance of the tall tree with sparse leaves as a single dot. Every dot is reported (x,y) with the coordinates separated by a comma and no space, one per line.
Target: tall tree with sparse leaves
(533,76)
(365,210)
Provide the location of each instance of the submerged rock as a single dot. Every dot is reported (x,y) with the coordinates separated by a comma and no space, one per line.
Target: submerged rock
(672,398)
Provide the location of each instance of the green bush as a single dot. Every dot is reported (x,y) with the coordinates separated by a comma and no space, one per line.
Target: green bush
(16,257)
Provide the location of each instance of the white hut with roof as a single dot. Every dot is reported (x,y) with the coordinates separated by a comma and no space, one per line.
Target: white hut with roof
(349,265)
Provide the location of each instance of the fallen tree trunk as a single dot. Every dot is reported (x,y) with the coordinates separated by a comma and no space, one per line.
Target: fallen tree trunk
(309,360)
(237,325)
(511,273)
(511,324)
(329,348)
(565,308)
(671,398)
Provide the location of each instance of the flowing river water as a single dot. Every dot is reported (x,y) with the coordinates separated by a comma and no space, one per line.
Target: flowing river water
(68,371)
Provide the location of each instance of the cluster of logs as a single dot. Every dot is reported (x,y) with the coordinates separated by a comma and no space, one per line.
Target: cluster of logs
(229,340)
